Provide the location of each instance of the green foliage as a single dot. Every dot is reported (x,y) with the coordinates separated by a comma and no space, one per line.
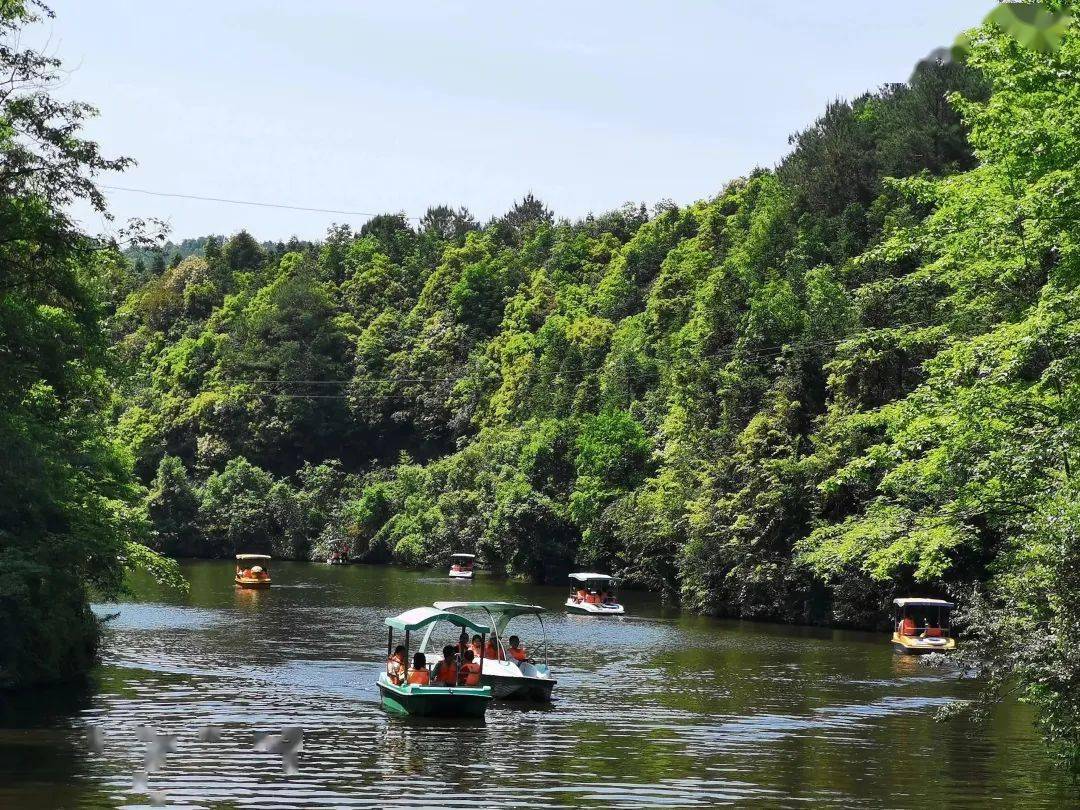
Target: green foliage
(233,509)
(1033,25)
(68,522)
(173,507)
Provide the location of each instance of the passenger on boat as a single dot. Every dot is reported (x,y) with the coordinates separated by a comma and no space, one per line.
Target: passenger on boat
(395,665)
(517,652)
(932,631)
(907,626)
(491,650)
(474,645)
(469,671)
(419,675)
(446,670)
(462,644)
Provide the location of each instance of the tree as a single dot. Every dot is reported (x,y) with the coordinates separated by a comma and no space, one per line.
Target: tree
(66,519)
(242,253)
(524,217)
(233,514)
(173,508)
(446,223)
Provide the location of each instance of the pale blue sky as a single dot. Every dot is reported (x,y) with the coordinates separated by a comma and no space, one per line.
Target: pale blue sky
(394,106)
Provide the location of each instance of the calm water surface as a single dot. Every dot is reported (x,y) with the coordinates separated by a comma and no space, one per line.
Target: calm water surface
(656,709)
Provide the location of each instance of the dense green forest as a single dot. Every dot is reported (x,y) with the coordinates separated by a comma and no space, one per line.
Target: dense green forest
(70,511)
(854,376)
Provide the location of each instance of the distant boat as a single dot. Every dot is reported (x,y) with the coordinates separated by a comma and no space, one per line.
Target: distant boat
(410,691)
(253,570)
(461,566)
(593,595)
(922,626)
(337,558)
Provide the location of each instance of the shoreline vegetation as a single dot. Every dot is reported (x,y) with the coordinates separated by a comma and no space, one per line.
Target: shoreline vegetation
(853,376)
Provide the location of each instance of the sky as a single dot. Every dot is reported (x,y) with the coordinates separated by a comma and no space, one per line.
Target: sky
(392,106)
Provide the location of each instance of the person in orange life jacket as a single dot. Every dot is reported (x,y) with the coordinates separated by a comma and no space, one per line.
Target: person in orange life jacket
(474,645)
(462,644)
(907,626)
(517,652)
(491,650)
(446,670)
(469,671)
(932,631)
(419,675)
(395,665)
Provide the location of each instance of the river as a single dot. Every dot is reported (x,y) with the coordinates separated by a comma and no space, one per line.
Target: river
(657,709)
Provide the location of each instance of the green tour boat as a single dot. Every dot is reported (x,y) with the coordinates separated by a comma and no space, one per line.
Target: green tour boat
(411,691)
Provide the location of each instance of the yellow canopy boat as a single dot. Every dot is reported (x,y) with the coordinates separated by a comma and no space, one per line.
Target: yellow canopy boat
(922,626)
(253,570)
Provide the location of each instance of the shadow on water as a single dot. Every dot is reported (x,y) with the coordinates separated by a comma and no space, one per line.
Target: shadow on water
(653,709)
(44,746)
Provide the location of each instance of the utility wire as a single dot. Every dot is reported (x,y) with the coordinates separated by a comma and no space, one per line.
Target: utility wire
(730,354)
(244,202)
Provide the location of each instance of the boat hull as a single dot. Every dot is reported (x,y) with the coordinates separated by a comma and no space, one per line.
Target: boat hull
(588,609)
(533,690)
(435,701)
(913,645)
(461,574)
(244,582)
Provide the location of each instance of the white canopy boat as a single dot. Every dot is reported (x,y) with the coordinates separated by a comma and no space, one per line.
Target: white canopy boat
(461,566)
(510,678)
(593,595)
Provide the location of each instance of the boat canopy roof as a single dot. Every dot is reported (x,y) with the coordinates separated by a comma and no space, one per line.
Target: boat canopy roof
(504,608)
(589,577)
(423,616)
(921,602)
(265,557)
(463,556)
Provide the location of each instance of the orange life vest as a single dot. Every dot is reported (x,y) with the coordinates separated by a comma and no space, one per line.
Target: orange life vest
(933,632)
(518,653)
(420,677)
(446,674)
(470,674)
(395,669)
(491,652)
(907,626)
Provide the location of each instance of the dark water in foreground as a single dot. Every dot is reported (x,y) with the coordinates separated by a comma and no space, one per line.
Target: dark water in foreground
(656,709)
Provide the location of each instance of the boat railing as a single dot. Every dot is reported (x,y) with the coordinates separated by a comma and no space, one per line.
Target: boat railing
(919,630)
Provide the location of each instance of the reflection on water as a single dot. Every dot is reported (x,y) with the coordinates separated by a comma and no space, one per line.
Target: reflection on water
(656,709)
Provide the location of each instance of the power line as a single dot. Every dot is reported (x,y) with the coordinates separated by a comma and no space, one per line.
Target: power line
(731,354)
(245,202)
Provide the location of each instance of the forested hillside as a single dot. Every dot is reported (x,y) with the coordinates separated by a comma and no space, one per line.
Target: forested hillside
(839,380)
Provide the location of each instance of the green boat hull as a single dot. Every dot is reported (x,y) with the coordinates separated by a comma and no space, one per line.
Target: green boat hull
(435,701)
